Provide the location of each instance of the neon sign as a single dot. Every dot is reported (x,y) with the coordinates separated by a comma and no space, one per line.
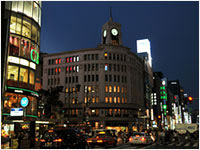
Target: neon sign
(35,56)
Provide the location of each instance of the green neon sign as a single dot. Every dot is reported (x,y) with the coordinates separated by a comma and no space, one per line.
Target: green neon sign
(23,90)
(164,106)
(31,116)
(36,60)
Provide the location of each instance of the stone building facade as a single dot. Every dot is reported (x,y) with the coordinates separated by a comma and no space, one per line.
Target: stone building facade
(110,78)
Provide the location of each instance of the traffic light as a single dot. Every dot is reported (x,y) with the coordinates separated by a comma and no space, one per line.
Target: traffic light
(190,99)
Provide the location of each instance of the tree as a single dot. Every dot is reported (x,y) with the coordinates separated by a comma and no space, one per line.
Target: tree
(50,98)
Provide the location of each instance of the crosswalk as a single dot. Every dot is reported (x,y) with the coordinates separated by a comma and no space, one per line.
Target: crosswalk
(183,144)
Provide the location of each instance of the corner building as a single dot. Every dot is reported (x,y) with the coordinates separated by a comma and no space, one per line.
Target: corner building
(21,57)
(110,78)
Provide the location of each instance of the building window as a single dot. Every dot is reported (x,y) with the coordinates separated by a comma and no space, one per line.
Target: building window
(76,79)
(69,79)
(118,78)
(110,56)
(115,78)
(110,112)
(48,81)
(97,78)
(122,90)
(114,66)
(106,67)
(88,56)
(12,73)
(67,59)
(110,78)
(115,100)
(125,100)
(97,99)
(25,48)
(106,99)
(85,57)
(105,55)
(77,58)
(118,89)
(88,78)
(106,88)
(97,67)
(85,67)
(74,58)
(113,56)
(110,67)
(110,89)
(110,99)
(97,56)
(92,78)
(118,99)
(106,77)
(92,56)
(115,89)
(23,77)
(28,8)
(88,67)
(66,79)
(122,100)
(70,59)
(117,56)
(32,78)
(93,68)
(118,68)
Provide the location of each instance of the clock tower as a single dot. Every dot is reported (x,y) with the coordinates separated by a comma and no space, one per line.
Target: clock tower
(111,32)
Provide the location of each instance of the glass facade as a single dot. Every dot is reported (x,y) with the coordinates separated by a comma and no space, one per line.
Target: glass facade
(23,54)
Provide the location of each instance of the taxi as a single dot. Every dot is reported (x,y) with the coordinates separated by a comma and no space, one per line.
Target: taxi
(102,139)
(140,138)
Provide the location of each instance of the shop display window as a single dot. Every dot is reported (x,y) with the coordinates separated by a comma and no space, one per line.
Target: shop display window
(25,48)
(32,77)
(28,8)
(26,28)
(12,73)
(23,77)
(14,45)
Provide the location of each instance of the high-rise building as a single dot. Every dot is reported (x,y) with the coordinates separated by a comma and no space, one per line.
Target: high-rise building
(21,35)
(110,78)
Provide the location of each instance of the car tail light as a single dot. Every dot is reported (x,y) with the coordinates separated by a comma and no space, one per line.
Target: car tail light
(99,141)
(130,139)
(50,130)
(42,140)
(137,136)
(89,141)
(143,139)
(57,140)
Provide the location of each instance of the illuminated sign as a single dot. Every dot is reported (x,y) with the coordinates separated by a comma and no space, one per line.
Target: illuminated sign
(23,91)
(35,56)
(144,46)
(16,112)
(24,62)
(21,61)
(24,102)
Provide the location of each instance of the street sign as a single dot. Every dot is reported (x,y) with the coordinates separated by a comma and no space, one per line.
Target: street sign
(24,102)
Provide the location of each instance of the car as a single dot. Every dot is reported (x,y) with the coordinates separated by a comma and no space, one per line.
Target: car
(63,138)
(140,138)
(102,139)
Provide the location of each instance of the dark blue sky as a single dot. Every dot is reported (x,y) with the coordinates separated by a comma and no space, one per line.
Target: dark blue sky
(171,27)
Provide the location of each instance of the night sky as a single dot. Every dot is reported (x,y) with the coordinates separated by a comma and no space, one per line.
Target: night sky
(171,27)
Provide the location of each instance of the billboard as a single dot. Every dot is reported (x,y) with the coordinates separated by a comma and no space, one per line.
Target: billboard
(143,46)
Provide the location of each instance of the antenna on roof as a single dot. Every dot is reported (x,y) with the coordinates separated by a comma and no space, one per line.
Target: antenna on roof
(110,13)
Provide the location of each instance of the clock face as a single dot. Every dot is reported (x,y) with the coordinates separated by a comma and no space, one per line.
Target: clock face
(114,32)
(104,33)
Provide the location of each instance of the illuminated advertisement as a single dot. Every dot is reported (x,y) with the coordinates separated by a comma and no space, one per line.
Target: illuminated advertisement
(143,46)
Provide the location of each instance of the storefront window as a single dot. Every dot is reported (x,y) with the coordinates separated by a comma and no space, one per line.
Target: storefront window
(28,8)
(32,77)
(34,32)
(35,11)
(25,48)
(12,73)
(34,53)
(23,77)
(14,46)
(39,17)
(26,29)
